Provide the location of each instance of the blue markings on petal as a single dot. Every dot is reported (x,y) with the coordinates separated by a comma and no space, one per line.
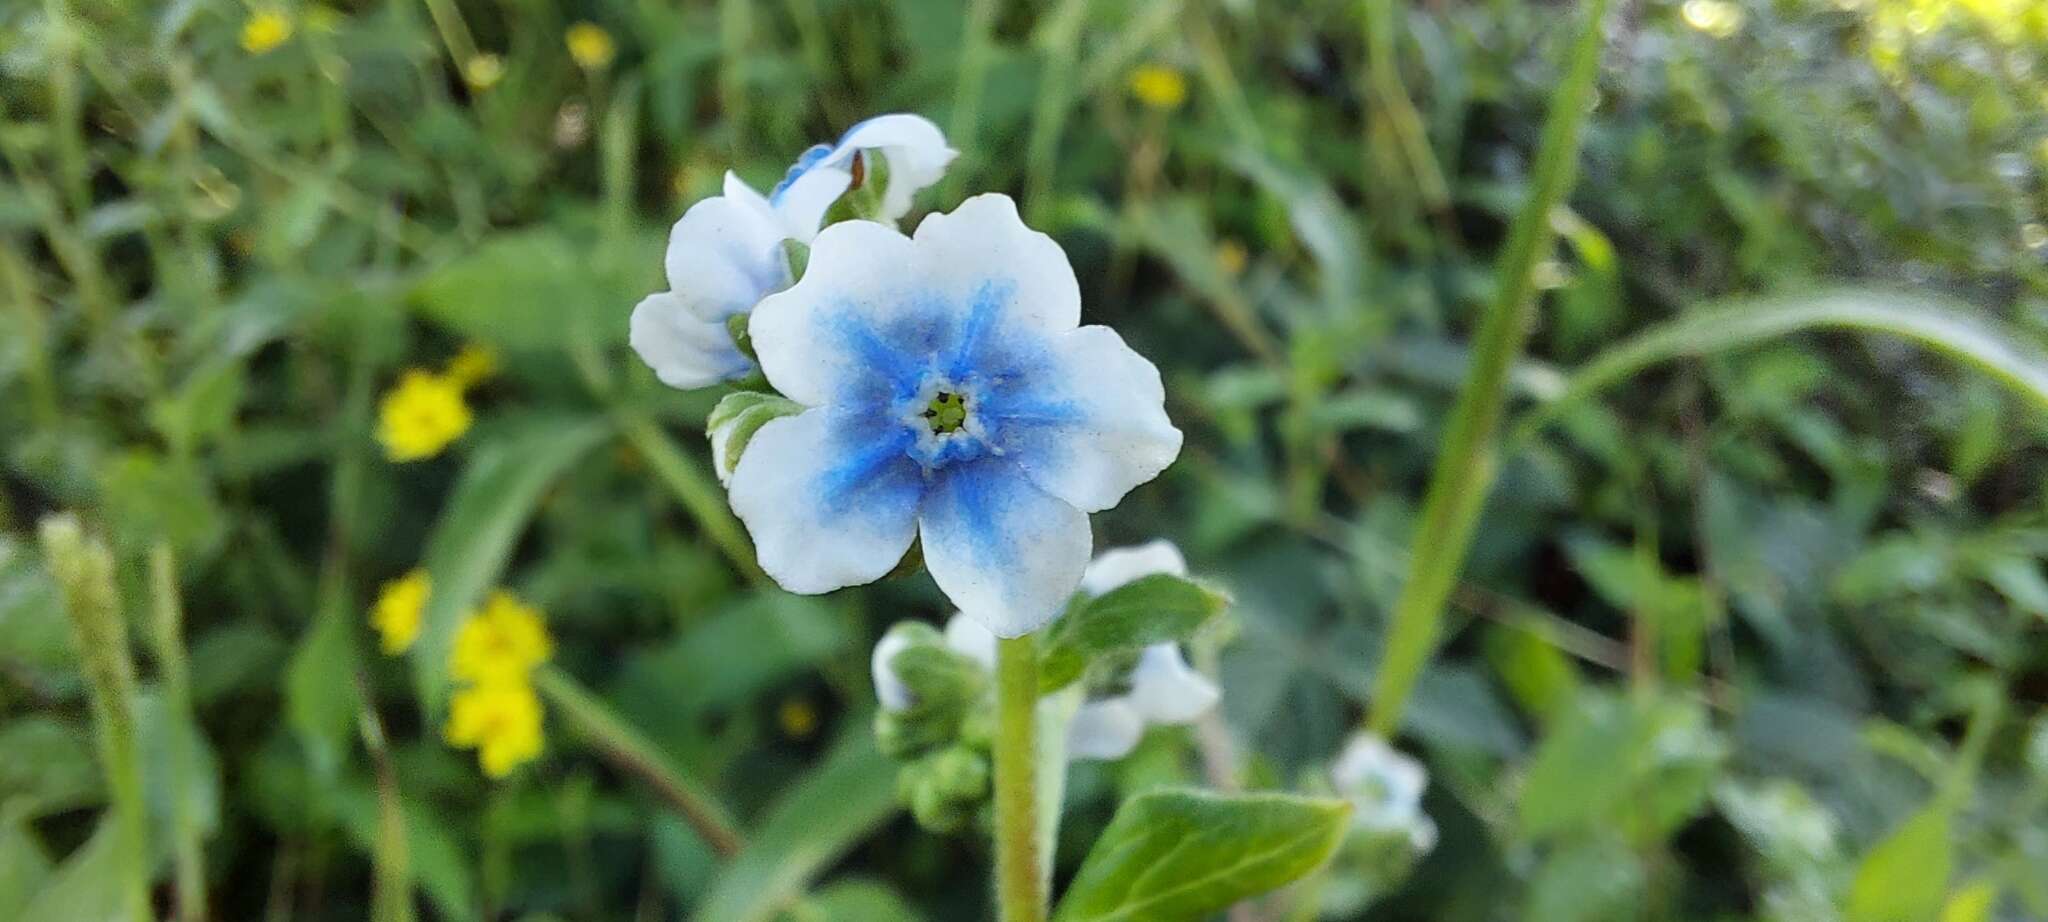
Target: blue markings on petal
(872,467)
(977,496)
(984,312)
(811,157)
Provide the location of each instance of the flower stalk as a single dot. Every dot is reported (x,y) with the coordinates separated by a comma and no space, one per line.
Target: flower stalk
(84,570)
(1020,887)
(167,636)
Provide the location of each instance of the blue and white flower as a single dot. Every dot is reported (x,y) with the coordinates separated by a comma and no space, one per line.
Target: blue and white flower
(724,256)
(1385,790)
(952,397)
(913,149)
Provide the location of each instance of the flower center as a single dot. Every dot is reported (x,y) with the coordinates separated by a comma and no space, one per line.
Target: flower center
(946,413)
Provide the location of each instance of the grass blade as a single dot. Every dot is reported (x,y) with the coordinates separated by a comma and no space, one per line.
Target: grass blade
(1465,466)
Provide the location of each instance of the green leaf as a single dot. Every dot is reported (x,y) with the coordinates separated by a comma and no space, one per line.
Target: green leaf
(319,687)
(23,866)
(1989,347)
(1642,766)
(490,506)
(34,638)
(1905,877)
(1155,609)
(523,292)
(78,890)
(1596,881)
(814,823)
(1177,855)
(858,901)
(49,767)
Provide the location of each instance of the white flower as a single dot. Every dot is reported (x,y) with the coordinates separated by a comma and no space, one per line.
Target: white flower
(889,688)
(952,396)
(724,256)
(1164,690)
(1385,789)
(913,148)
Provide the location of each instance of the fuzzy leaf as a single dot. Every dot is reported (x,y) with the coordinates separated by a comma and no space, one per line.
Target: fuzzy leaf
(1173,856)
(1137,614)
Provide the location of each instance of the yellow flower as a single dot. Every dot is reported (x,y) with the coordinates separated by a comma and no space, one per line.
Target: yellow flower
(1159,86)
(264,31)
(483,71)
(472,365)
(590,45)
(501,642)
(500,720)
(398,611)
(421,415)
(798,718)
(1231,257)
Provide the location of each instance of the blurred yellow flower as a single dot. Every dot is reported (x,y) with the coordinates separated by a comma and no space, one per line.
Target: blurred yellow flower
(798,718)
(500,720)
(397,613)
(1159,86)
(264,31)
(500,642)
(1231,257)
(1718,18)
(483,71)
(421,415)
(473,365)
(590,45)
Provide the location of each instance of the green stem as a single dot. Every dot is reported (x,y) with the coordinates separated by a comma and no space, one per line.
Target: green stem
(638,756)
(84,570)
(167,630)
(1020,888)
(696,490)
(974,64)
(1464,469)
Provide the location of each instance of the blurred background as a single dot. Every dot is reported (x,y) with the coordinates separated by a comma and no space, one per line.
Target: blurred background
(1757,633)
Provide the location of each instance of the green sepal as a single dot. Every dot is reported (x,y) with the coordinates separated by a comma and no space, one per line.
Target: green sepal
(1177,855)
(1155,609)
(944,685)
(739,415)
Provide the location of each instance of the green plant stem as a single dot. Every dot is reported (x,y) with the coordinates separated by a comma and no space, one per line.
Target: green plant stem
(167,637)
(391,880)
(974,63)
(696,490)
(637,756)
(84,571)
(1020,886)
(1465,467)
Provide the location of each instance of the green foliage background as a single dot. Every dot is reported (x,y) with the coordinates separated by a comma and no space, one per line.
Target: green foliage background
(1757,632)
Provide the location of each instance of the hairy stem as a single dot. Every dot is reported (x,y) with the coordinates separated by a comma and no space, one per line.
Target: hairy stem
(1020,888)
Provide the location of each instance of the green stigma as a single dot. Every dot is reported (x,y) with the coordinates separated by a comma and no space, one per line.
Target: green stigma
(946,413)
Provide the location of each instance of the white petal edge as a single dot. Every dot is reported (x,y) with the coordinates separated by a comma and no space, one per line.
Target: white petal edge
(685,351)
(1120,565)
(1120,437)
(1018,577)
(985,240)
(969,638)
(889,688)
(916,151)
(858,266)
(806,548)
(724,255)
(1166,690)
(1107,729)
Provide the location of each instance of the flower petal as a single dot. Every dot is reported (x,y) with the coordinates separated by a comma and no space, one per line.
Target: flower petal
(1166,691)
(1101,432)
(853,323)
(725,254)
(1007,553)
(829,497)
(984,243)
(684,350)
(1107,729)
(801,202)
(889,689)
(1120,565)
(916,151)
(969,638)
